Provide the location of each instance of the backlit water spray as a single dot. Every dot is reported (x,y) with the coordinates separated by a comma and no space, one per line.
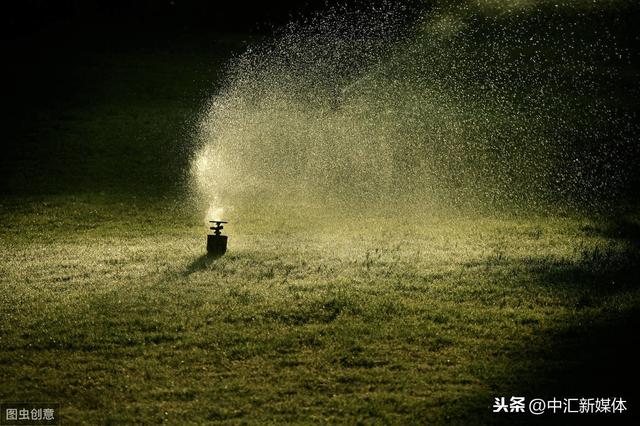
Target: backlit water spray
(465,108)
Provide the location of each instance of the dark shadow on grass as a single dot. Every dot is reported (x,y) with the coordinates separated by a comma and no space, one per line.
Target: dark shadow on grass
(590,360)
(601,270)
(200,263)
(595,355)
(623,229)
(612,266)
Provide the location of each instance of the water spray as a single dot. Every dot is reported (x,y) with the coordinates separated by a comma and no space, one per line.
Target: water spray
(216,242)
(357,112)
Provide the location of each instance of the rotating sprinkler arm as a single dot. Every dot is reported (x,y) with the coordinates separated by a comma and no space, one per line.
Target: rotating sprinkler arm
(217,228)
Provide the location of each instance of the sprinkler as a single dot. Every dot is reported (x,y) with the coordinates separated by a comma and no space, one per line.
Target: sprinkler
(216,242)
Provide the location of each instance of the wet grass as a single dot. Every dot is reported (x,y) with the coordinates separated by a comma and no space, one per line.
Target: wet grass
(111,308)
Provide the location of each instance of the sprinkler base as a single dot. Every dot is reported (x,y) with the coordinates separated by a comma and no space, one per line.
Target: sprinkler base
(216,245)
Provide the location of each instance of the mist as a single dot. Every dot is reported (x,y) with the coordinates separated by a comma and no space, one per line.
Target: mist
(466,108)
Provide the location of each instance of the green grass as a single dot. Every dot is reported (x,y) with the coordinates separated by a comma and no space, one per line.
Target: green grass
(111,308)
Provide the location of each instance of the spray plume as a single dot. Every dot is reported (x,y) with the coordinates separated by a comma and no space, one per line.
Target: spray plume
(458,108)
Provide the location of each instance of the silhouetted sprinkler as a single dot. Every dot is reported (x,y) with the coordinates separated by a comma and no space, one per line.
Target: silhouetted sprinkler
(216,242)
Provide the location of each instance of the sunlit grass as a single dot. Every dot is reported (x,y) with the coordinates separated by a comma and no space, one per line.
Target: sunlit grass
(111,308)
(406,315)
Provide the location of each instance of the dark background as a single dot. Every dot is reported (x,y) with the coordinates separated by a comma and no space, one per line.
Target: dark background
(33,17)
(105,95)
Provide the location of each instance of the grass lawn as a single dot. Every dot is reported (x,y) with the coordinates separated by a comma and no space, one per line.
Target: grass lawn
(110,307)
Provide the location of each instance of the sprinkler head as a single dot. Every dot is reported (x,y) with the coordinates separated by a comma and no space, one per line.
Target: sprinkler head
(216,242)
